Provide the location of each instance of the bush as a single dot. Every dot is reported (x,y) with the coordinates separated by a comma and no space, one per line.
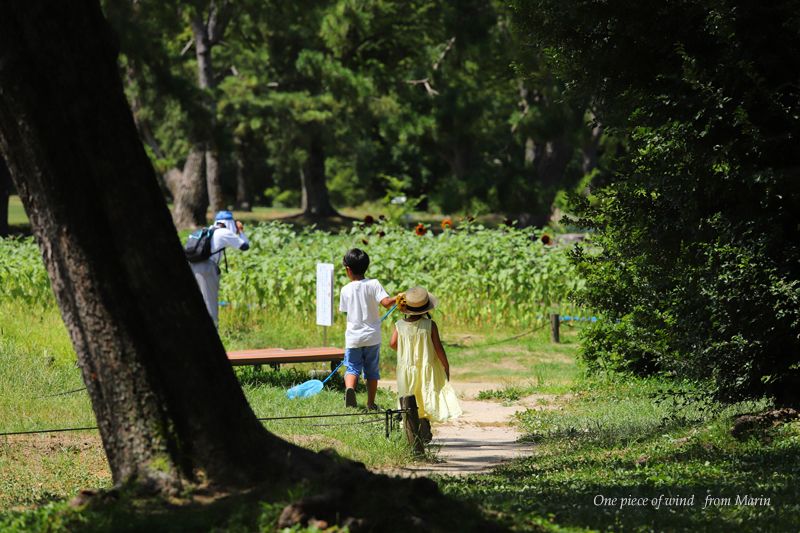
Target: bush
(622,346)
(698,238)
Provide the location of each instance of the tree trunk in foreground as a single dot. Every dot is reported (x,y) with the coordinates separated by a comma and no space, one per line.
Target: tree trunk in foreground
(5,190)
(315,202)
(167,403)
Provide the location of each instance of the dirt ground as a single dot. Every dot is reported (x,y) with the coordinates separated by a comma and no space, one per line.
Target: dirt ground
(480,439)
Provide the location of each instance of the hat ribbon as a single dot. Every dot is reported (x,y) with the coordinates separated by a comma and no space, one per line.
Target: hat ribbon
(418,308)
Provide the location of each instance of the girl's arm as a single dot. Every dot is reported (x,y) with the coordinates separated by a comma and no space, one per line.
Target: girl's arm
(437,345)
(393,342)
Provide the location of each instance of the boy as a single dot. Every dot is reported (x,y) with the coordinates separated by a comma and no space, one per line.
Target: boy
(360,300)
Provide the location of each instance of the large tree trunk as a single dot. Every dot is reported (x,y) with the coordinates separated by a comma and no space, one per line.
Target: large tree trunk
(167,403)
(316,202)
(200,185)
(5,190)
(204,39)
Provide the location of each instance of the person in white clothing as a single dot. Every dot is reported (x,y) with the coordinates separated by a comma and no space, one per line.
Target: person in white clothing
(228,233)
(361,300)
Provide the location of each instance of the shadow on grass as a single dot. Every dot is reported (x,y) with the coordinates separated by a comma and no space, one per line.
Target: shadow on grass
(287,378)
(581,492)
(349,498)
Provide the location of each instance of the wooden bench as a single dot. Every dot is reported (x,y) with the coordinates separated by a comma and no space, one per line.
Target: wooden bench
(278,356)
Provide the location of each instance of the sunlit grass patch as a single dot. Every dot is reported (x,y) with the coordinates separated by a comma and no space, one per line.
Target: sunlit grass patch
(42,389)
(524,366)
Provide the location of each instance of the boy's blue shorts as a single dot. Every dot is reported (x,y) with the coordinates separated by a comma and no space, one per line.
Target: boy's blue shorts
(364,358)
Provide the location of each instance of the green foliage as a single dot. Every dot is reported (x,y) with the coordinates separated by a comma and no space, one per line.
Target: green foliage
(503,276)
(22,274)
(696,239)
(624,346)
(424,91)
(397,203)
(493,276)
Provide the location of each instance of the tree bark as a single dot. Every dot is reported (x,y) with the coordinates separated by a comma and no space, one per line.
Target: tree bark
(550,164)
(316,202)
(242,182)
(190,194)
(203,44)
(213,184)
(5,192)
(167,403)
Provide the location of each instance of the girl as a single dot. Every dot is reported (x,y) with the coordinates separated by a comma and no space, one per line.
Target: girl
(422,366)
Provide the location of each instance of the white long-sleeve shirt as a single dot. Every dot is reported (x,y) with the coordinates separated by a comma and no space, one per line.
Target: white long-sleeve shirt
(225,238)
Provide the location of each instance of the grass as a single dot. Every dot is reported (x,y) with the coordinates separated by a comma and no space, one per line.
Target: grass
(16,213)
(612,440)
(39,375)
(526,365)
(595,438)
(37,363)
(38,371)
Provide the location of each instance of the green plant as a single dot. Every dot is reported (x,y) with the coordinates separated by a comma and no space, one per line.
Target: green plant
(481,276)
(23,277)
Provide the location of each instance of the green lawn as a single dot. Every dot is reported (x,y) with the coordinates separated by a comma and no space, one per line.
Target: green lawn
(37,365)
(16,213)
(597,437)
(613,439)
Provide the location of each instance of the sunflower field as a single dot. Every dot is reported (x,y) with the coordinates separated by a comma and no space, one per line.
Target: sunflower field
(488,276)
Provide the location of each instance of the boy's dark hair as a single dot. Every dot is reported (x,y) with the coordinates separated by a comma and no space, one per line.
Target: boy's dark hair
(357,260)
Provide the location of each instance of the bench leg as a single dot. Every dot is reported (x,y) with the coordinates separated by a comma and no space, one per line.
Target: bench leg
(333,365)
(275,366)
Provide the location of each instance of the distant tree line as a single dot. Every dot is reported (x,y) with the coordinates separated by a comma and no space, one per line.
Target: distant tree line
(318,104)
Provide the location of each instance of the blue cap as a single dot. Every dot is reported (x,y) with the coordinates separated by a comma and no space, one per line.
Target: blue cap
(224,215)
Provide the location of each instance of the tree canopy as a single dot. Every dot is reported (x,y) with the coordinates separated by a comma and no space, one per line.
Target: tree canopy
(344,100)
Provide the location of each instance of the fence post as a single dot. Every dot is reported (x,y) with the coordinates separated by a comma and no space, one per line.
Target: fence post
(554,324)
(411,424)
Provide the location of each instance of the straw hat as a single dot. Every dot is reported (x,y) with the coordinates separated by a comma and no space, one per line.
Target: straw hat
(417,301)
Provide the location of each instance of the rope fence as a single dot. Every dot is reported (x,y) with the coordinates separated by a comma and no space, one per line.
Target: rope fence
(388,416)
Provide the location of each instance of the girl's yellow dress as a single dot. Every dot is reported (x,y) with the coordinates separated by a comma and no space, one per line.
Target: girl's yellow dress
(419,372)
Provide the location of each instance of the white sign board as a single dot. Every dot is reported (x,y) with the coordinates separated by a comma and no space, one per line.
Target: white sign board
(324,294)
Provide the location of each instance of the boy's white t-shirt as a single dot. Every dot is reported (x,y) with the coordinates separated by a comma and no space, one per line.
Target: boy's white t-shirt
(361,300)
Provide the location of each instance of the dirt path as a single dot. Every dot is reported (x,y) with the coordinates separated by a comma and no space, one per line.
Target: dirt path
(482,438)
